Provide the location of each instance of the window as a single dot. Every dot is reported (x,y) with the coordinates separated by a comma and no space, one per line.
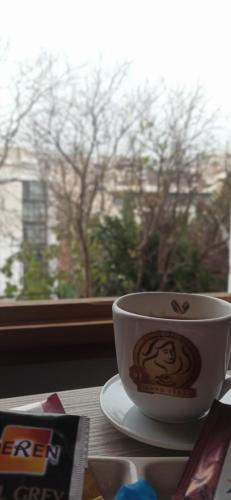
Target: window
(114,175)
(95,132)
(35,214)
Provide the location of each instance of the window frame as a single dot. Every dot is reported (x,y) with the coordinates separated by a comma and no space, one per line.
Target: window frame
(59,330)
(51,331)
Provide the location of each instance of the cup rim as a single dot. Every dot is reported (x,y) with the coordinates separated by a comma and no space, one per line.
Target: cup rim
(116,308)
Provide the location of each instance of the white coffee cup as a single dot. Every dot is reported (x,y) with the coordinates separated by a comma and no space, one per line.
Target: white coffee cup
(172,352)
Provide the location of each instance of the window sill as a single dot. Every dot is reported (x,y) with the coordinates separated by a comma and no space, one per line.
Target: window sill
(51,331)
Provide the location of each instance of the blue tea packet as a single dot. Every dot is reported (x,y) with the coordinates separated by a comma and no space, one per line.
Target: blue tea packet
(141,490)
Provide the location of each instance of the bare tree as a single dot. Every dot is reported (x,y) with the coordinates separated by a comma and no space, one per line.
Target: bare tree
(87,130)
(23,87)
(83,123)
(169,154)
(23,84)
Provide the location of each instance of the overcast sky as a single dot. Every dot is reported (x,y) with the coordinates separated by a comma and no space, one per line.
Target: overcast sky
(183,41)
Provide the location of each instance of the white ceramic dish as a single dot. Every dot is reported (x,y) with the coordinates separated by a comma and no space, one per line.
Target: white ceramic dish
(162,473)
(127,418)
(111,473)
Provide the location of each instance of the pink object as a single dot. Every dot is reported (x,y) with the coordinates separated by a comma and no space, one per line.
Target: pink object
(53,404)
(50,405)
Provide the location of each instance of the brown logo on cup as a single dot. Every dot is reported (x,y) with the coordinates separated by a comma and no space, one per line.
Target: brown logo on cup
(165,363)
(178,308)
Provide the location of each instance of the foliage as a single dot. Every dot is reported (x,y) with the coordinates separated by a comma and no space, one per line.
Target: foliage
(116,264)
(116,261)
(190,273)
(40,278)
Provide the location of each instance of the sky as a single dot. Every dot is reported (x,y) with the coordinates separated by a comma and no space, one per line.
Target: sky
(186,42)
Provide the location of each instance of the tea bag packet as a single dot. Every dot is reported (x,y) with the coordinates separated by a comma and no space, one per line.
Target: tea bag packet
(208,472)
(50,405)
(42,457)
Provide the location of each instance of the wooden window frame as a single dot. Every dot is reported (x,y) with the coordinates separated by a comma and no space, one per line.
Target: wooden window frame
(52,331)
(46,331)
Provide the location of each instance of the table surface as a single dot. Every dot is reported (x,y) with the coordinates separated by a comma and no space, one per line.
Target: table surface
(105,440)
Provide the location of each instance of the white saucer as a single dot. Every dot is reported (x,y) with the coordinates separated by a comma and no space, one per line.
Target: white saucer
(126,417)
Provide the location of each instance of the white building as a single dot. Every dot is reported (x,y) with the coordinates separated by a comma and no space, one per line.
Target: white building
(23,210)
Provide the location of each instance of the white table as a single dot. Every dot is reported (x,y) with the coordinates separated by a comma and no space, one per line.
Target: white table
(104,438)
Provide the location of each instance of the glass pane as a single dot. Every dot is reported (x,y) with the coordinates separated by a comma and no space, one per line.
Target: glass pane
(34,212)
(35,235)
(34,190)
(115,150)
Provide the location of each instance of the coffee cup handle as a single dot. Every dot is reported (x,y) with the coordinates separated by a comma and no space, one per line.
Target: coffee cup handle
(225,387)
